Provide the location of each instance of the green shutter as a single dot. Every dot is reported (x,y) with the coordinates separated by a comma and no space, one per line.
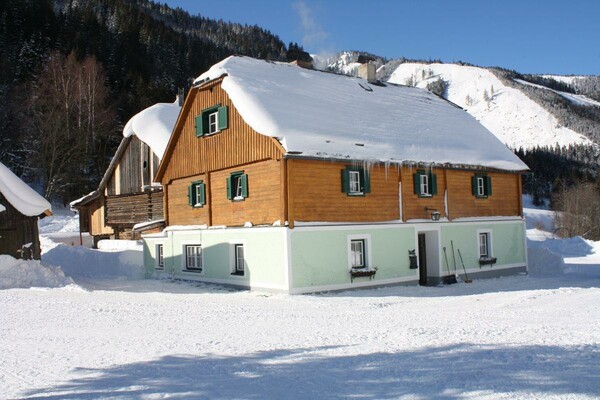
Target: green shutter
(199,125)
(191,195)
(474,185)
(417,183)
(244,179)
(202,199)
(223,118)
(488,185)
(433,179)
(366,181)
(229,190)
(346,181)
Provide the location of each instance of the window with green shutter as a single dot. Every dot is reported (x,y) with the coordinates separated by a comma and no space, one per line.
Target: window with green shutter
(481,185)
(197,194)
(237,186)
(425,183)
(355,181)
(212,120)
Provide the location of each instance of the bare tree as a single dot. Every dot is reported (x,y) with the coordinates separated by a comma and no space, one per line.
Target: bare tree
(578,211)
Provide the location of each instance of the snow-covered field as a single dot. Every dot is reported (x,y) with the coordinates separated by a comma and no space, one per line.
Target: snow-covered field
(111,335)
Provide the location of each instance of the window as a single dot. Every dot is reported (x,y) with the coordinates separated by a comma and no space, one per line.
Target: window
(237,186)
(484,245)
(357,253)
(197,194)
(355,181)
(425,183)
(193,257)
(482,185)
(160,259)
(239,261)
(212,120)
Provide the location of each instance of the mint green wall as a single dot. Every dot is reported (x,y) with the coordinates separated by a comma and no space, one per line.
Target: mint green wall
(320,257)
(263,250)
(508,244)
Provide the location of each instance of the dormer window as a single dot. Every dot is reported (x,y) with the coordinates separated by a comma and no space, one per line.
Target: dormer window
(212,120)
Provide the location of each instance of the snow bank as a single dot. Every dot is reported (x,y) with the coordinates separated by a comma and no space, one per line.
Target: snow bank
(321,114)
(29,273)
(26,200)
(81,262)
(110,245)
(154,125)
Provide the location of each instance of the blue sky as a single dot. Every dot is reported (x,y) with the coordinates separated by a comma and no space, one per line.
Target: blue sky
(531,36)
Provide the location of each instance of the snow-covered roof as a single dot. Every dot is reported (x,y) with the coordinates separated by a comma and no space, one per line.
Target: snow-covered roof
(154,125)
(319,114)
(84,199)
(26,200)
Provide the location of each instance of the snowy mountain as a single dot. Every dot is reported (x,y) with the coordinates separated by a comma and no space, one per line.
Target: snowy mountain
(513,109)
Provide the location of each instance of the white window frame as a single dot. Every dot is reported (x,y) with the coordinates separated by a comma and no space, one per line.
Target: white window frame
(424,185)
(186,258)
(488,234)
(213,126)
(237,183)
(480,186)
(160,256)
(197,194)
(237,259)
(354,182)
(366,251)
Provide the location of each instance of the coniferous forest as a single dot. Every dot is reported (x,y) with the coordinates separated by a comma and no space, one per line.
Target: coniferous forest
(73,72)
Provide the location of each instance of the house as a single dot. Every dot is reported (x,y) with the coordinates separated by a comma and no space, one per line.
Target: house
(282,178)
(20,209)
(127,197)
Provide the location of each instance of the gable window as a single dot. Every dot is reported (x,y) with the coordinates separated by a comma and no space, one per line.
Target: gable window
(355,181)
(484,245)
(160,259)
(357,253)
(212,120)
(237,186)
(238,259)
(197,194)
(425,183)
(482,185)
(193,257)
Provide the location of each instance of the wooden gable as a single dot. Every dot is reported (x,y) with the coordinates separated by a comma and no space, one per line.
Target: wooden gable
(188,155)
(134,168)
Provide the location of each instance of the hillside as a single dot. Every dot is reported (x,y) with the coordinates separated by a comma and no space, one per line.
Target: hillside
(521,110)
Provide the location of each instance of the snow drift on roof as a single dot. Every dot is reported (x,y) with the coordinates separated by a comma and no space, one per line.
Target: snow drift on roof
(154,125)
(318,114)
(26,200)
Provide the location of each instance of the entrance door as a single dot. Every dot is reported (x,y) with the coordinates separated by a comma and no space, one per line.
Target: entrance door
(422,260)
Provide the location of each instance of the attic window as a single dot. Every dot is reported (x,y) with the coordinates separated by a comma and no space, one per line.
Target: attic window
(212,120)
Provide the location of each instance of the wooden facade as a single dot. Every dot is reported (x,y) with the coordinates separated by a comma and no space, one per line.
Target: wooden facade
(292,188)
(19,236)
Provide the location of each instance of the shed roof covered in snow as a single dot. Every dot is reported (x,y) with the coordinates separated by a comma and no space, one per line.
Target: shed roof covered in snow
(154,125)
(318,114)
(22,197)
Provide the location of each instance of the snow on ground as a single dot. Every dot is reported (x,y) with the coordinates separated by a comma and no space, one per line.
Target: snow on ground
(578,99)
(29,273)
(518,337)
(509,114)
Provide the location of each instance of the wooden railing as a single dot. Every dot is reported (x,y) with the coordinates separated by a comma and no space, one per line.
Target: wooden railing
(134,208)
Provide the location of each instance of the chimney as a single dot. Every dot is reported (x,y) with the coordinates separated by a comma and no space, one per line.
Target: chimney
(180,97)
(367,71)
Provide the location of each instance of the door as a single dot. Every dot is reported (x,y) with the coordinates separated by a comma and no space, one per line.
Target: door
(422,260)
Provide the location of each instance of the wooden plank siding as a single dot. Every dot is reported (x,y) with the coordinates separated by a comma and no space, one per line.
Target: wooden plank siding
(504,201)
(316,193)
(131,209)
(134,170)
(416,207)
(97,218)
(263,205)
(239,144)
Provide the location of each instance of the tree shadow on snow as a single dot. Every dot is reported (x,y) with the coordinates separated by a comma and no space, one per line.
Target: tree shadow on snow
(447,372)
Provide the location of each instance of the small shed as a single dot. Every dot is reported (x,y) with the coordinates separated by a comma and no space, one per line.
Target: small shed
(20,209)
